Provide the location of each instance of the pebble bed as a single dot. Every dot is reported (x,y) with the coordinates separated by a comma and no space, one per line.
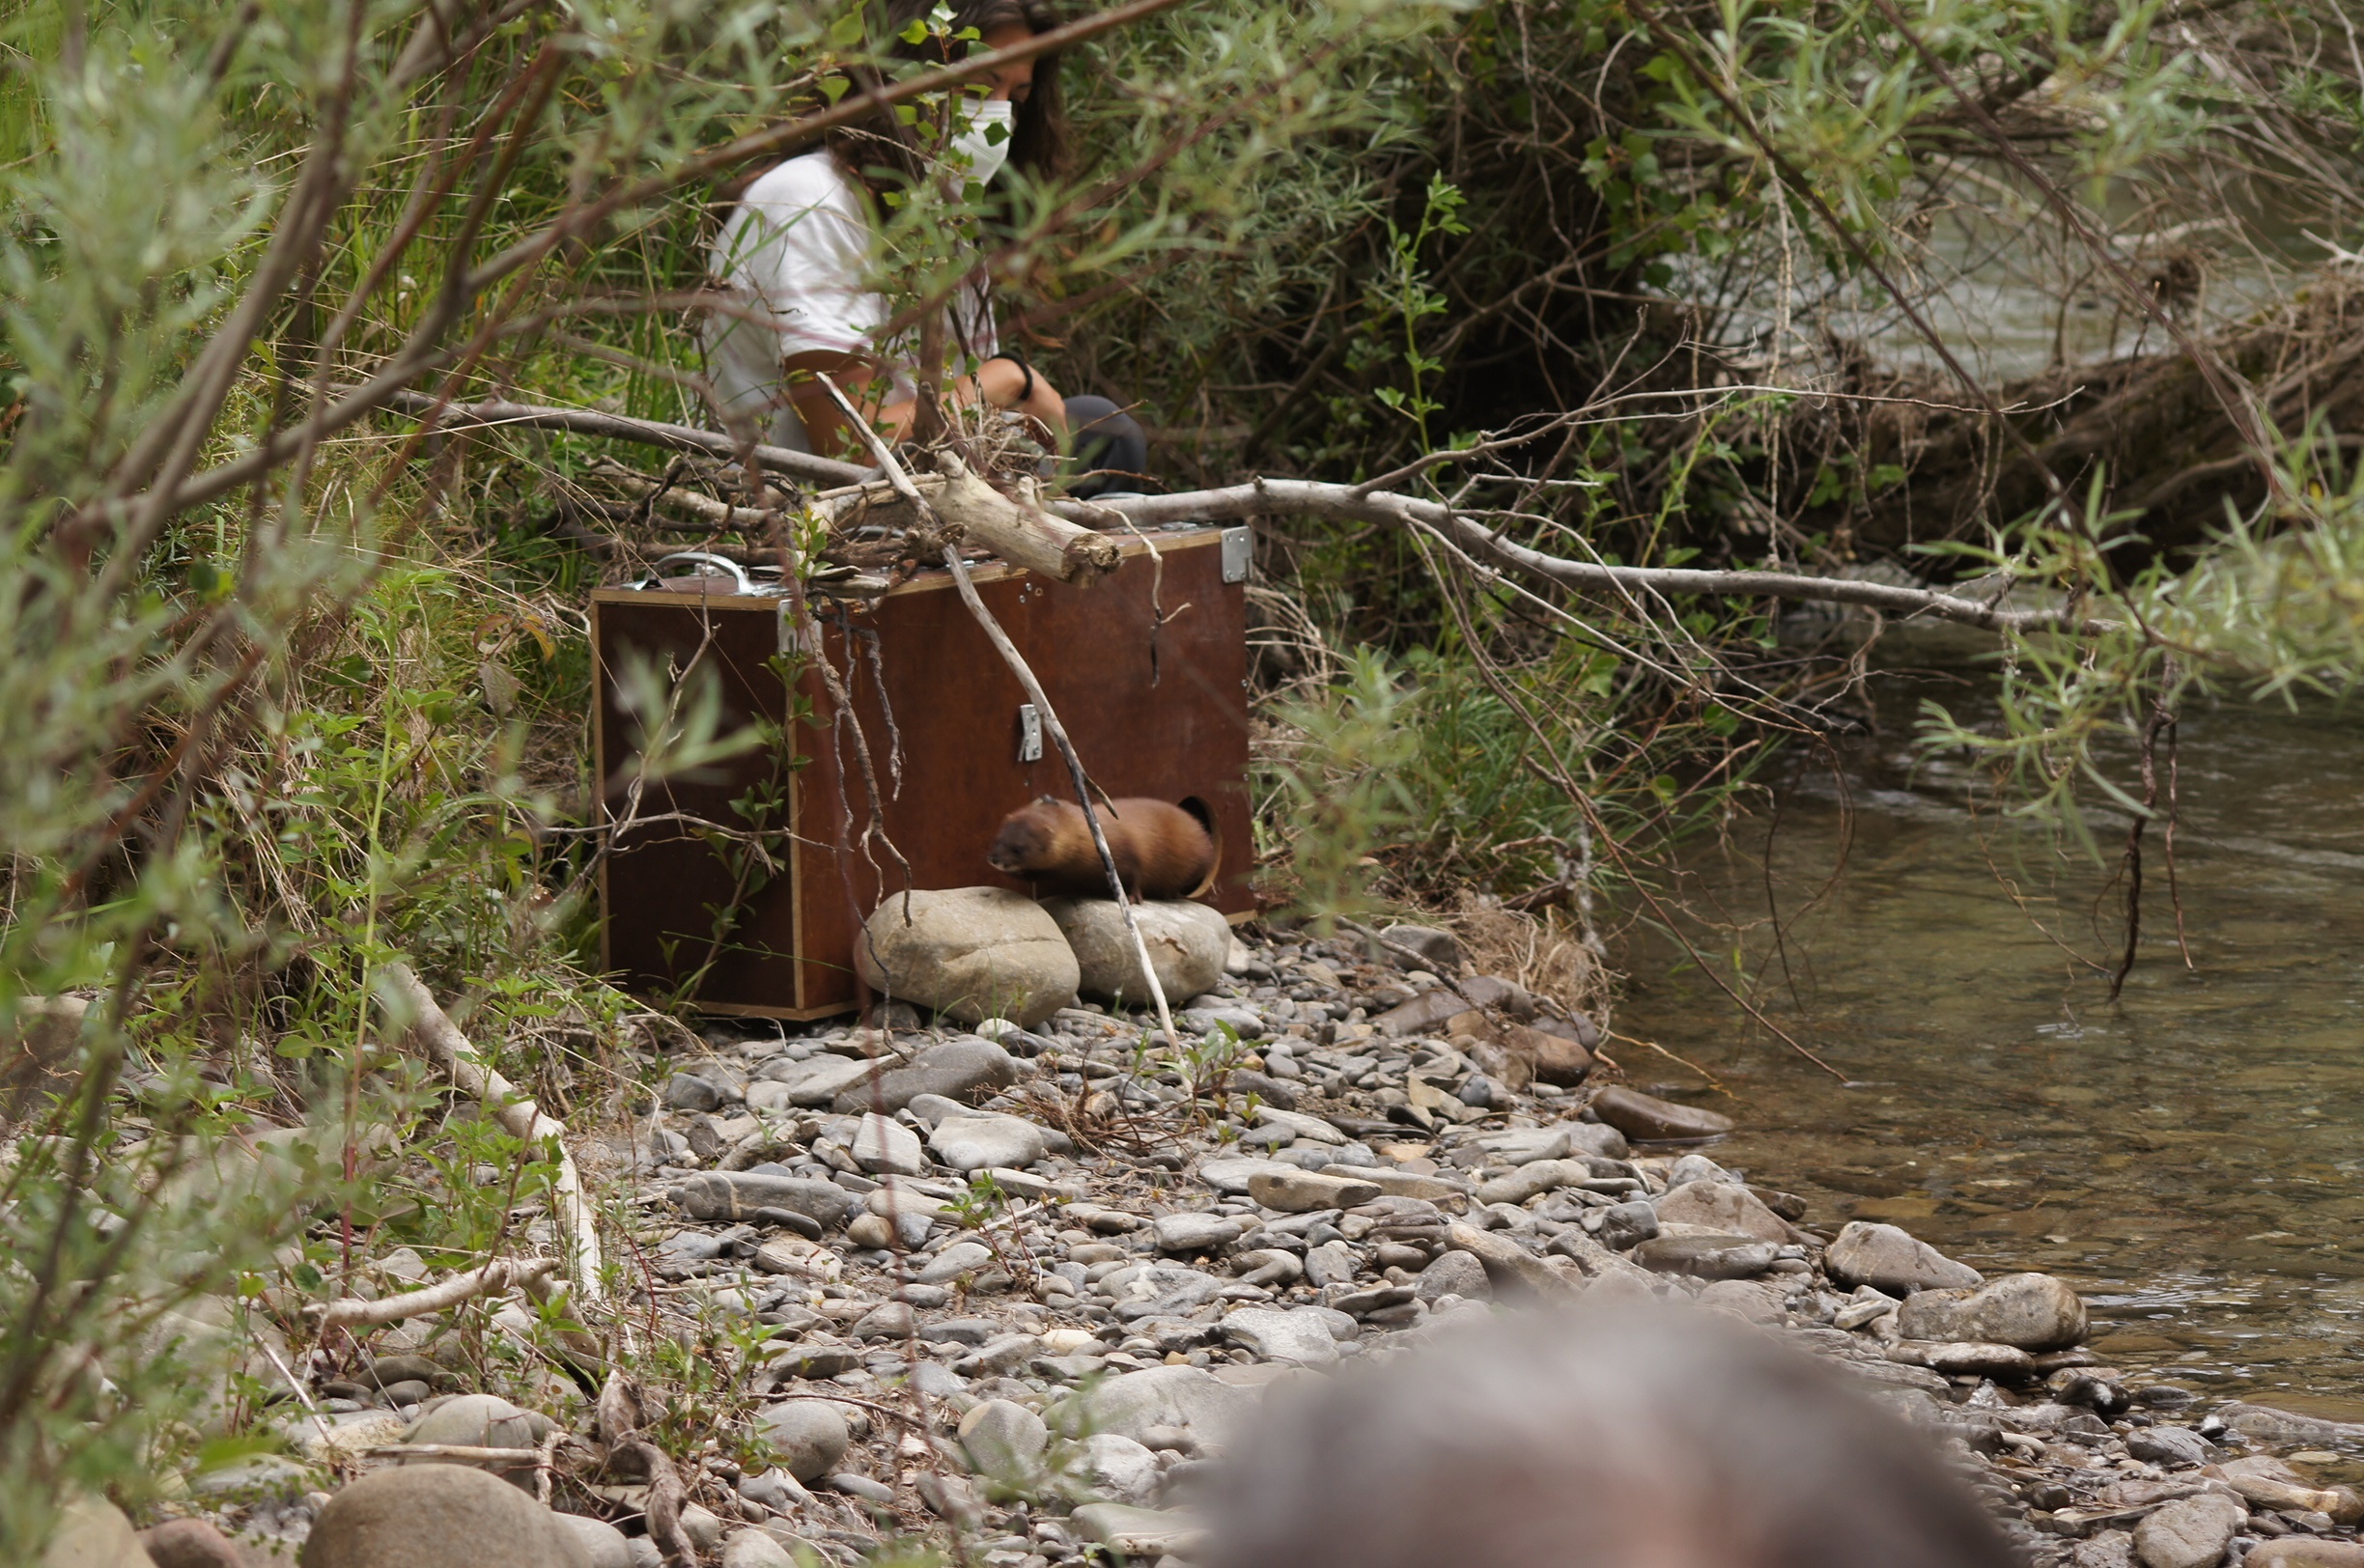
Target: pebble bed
(1051,1369)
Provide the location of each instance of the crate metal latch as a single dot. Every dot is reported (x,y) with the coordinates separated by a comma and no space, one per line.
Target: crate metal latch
(1030,733)
(1237,551)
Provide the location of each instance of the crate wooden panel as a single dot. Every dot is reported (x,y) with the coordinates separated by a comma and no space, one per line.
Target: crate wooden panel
(1156,706)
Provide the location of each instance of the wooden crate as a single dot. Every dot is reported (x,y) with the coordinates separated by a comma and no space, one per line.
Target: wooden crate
(1156,707)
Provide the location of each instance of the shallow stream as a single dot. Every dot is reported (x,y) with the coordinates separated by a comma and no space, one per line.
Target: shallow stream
(2191,1156)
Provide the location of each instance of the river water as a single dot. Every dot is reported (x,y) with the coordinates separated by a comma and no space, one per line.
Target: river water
(2191,1157)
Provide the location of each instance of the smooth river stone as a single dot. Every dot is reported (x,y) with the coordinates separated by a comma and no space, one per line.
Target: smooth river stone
(886,1147)
(1231,1177)
(1888,1259)
(814,1081)
(1138,1532)
(964,1068)
(809,1436)
(1403,1184)
(1651,1120)
(2267,1424)
(983,1142)
(2267,1482)
(1299,1124)
(1425,1014)
(1299,1338)
(1160,1396)
(736,1195)
(437,1515)
(1553,1059)
(2190,1532)
(1534,1177)
(970,952)
(1706,1257)
(1970,1358)
(1186,1233)
(1509,1266)
(1299,1191)
(2305,1552)
(1004,1442)
(1734,1211)
(2033,1311)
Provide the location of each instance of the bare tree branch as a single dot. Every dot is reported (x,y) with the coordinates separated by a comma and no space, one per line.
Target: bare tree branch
(1304,497)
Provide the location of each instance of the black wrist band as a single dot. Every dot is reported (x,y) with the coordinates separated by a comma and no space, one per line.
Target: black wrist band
(1025,389)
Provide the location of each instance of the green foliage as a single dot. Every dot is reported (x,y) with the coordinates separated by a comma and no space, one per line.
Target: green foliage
(290,692)
(1401,299)
(1338,790)
(2273,611)
(267,735)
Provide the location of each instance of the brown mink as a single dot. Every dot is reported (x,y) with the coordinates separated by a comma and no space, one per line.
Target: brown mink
(1162,851)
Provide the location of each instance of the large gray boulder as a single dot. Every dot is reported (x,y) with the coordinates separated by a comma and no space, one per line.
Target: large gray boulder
(1887,1258)
(2033,1311)
(438,1516)
(1187,945)
(973,953)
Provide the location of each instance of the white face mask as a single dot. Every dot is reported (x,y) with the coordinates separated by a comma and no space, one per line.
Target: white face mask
(985,157)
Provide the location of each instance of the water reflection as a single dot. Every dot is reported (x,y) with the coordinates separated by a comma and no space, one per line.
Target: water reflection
(2191,1156)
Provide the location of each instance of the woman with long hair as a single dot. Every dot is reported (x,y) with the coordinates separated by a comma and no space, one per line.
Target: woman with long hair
(797,257)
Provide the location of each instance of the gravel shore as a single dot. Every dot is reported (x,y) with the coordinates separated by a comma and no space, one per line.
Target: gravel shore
(1024,1284)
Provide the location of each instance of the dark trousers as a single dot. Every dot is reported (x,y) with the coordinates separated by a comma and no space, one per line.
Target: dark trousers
(1108,449)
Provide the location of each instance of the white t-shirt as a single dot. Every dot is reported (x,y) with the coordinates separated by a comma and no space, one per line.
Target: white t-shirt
(797,252)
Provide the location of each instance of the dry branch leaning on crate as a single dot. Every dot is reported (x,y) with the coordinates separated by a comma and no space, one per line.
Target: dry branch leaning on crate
(1367,503)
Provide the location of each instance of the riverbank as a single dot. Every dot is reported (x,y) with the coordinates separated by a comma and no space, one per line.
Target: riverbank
(1030,1302)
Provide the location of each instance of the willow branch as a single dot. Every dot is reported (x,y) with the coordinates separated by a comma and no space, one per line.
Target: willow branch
(440,1040)
(1304,497)
(657,432)
(352,1312)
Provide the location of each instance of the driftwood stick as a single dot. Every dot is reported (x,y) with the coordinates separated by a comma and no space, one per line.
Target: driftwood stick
(1024,673)
(352,1312)
(440,1040)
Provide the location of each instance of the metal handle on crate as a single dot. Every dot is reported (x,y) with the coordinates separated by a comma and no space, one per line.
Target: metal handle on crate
(724,565)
